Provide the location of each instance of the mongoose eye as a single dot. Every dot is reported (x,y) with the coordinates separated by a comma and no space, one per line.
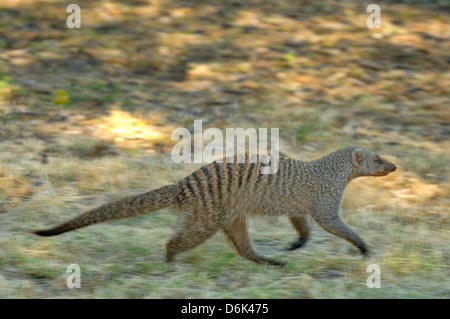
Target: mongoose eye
(378,161)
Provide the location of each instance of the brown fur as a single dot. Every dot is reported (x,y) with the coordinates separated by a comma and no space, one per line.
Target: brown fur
(221,196)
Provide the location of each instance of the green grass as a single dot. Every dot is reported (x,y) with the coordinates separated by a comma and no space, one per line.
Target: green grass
(303,131)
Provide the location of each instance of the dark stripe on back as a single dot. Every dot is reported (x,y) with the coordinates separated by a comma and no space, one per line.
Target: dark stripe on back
(187,183)
(260,176)
(272,178)
(198,177)
(287,174)
(241,171)
(219,180)
(291,170)
(182,194)
(250,172)
(229,168)
(281,174)
(209,183)
(206,171)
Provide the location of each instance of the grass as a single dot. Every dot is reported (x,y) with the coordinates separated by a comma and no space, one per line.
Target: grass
(66,145)
(125,258)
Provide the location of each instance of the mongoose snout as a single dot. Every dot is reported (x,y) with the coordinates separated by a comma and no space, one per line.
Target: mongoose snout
(222,195)
(388,168)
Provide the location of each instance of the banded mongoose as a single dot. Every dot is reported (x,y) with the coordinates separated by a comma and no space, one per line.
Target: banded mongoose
(221,196)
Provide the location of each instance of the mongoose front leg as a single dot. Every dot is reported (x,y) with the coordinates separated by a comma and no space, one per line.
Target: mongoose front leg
(336,226)
(301,225)
(237,233)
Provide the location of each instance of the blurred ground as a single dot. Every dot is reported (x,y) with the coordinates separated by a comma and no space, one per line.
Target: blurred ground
(86,116)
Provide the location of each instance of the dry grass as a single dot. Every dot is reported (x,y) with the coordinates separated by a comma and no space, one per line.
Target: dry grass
(86,117)
(403,218)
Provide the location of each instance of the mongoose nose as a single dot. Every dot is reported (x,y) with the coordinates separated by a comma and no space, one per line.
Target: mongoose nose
(395,167)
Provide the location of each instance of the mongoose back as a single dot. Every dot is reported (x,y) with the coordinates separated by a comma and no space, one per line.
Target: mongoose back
(221,196)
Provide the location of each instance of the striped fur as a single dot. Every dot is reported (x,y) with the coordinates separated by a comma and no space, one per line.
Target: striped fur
(221,196)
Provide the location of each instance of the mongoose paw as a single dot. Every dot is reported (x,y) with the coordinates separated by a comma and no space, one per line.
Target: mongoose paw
(297,244)
(276,263)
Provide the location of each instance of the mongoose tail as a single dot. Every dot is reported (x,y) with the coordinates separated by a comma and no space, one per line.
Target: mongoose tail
(126,207)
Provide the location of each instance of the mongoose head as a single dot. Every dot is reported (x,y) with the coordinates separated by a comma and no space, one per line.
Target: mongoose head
(367,163)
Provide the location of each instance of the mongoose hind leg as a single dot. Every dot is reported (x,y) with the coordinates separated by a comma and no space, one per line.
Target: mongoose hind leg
(300,223)
(237,233)
(191,233)
(337,227)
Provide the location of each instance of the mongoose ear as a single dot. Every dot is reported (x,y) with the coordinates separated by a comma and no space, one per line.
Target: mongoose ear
(356,158)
